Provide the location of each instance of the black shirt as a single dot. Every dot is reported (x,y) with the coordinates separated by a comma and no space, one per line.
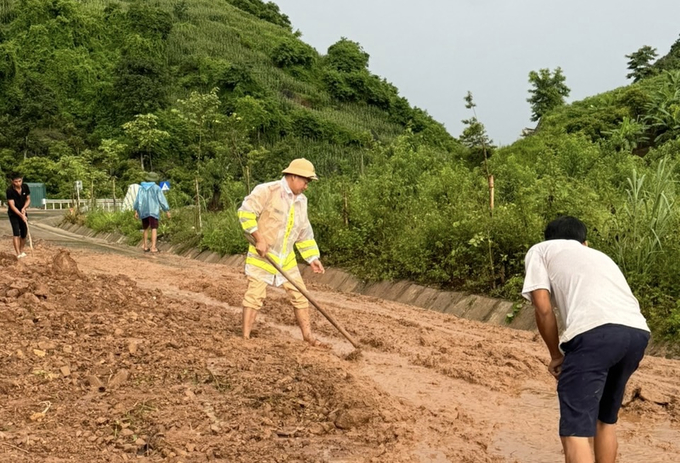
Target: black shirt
(19,198)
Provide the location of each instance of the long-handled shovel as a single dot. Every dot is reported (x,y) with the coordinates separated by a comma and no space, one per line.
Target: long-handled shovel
(30,240)
(304,292)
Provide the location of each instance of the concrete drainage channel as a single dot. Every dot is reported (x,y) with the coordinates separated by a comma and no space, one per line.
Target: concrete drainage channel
(473,307)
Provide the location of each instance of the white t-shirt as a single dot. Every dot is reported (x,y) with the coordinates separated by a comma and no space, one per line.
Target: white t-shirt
(586,286)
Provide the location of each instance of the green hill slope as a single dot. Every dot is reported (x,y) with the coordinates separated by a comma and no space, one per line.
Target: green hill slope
(72,73)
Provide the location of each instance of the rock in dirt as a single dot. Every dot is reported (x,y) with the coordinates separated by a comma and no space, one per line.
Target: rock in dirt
(651,394)
(348,419)
(132,346)
(12,293)
(21,285)
(288,432)
(118,379)
(41,290)
(46,345)
(64,263)
(28,299)
(96,383)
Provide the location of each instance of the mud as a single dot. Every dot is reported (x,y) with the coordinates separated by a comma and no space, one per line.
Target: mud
(108,358)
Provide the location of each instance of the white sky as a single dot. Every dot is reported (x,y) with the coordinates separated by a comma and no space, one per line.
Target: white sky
(434,51)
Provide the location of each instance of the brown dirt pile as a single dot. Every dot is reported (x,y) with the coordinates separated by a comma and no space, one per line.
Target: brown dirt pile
(98,368)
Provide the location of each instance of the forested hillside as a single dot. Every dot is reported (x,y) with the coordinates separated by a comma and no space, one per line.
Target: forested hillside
(219,95)
(179,86)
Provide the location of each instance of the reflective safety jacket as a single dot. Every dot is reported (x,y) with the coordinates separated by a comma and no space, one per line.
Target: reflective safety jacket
(281,218)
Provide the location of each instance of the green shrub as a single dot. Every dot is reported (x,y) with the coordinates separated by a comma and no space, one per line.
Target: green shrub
(292,52)
(222,233)
(268,11)
(347,56)
(116,222)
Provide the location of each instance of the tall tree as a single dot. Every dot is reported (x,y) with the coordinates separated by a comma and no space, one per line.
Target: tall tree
(640,63)
(548,92)
(145,134)
(201,112)
(474,137)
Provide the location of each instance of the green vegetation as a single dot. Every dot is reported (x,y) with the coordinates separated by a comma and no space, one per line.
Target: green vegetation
(218,96)
(640,63)
(548,92)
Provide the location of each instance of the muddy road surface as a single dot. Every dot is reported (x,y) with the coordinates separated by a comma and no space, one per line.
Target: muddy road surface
(108,354)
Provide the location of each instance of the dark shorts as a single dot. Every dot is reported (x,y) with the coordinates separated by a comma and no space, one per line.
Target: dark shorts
(597,366)
(19,227)
(151,222)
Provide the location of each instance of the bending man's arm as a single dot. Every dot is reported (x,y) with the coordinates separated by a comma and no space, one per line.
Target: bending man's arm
(249,213)
(547,327)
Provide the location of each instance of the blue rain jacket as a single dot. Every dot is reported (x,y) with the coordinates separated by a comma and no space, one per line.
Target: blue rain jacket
(150,200)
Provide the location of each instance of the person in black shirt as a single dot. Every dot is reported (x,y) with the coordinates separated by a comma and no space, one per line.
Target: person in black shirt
(18,200)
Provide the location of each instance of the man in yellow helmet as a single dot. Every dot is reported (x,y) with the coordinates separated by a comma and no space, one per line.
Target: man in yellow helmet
(275,214)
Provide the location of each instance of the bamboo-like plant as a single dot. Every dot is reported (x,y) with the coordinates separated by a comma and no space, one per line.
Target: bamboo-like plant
(647,218)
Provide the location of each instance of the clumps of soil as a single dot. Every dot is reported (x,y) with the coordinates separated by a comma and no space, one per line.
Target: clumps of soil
(278,309)
(502,370)
(95,368)
(218,291)
(7,259)
(64,265)
(354,356)
(643,398)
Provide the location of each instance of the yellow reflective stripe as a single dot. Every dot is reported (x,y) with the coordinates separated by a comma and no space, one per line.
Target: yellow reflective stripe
(246,215)
(263,265)
(253,251)
(305,244)
(310,253)
(289,228)
(290,262)
(248,224)
(289,266)
(291,257)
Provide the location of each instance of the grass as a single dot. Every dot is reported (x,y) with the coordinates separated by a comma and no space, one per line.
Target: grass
(221,232)
(116,222)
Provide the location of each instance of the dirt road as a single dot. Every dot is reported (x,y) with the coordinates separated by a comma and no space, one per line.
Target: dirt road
(112,355)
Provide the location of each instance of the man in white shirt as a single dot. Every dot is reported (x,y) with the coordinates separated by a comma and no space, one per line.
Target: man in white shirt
(604,338)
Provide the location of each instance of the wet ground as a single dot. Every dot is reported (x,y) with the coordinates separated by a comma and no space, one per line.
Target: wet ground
(109,354)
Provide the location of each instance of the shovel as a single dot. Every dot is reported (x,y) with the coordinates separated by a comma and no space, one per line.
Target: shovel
(304,292)
(30,240)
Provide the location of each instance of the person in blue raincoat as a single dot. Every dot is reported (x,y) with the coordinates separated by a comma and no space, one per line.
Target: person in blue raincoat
(150,200)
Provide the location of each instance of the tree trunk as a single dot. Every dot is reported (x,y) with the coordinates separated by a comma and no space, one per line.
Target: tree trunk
(491,193)
(215,202)
(198,206)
